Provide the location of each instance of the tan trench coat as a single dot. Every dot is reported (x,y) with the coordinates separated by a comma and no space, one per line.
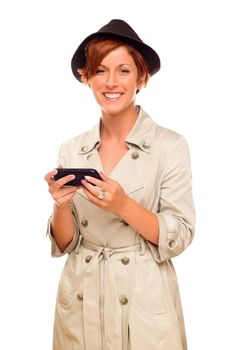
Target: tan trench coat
(117,291)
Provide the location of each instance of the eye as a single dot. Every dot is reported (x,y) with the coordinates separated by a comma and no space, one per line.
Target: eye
(100,71)
(124,71)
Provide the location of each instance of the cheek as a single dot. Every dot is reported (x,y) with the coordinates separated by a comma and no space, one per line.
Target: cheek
(94,84)
(132,85)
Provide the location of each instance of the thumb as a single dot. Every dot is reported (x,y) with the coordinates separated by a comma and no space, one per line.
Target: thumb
(106,178)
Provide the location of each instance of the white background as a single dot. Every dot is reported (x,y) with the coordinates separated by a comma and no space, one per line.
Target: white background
(42,105)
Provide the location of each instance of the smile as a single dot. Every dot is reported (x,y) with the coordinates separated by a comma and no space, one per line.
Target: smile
(112,95)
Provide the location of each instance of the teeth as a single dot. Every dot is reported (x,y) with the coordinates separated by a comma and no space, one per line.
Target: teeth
(112,95)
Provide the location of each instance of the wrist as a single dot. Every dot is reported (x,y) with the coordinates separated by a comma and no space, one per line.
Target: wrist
(124,207)
(62,206)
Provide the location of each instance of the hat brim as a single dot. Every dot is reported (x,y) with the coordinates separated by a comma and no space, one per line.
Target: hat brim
(150,56)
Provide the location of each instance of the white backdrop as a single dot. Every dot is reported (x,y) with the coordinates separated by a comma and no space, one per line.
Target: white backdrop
(42,105)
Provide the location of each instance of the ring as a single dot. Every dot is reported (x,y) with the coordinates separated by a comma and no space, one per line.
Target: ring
(101,195)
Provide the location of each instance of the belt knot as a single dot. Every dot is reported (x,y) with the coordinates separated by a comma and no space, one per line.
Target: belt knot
(106,252)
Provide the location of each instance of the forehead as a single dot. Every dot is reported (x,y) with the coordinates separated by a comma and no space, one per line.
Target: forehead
(118,56)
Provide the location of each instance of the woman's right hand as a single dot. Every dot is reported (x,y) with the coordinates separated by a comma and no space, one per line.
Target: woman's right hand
(62,195)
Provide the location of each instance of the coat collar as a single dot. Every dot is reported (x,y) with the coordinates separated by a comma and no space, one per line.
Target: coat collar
(141,134)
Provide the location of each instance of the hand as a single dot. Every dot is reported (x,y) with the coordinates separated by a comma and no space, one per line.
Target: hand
(114,196)
(62,195)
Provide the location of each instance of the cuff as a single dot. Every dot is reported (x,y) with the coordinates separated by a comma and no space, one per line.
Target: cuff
(55,251)
(173,239)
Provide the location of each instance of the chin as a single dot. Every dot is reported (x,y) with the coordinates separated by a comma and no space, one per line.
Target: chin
(117,109)
(112,109)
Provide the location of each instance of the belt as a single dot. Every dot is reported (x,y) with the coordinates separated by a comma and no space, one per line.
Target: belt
(103,314)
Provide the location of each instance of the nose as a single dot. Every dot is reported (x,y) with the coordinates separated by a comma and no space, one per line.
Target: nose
(111,80)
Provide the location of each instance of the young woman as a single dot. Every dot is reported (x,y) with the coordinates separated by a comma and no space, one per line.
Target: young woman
(118,289)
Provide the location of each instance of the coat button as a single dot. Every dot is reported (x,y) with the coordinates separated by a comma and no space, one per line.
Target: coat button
(125,260)
(146,145)
(80,297)
(135,155)
(172,243)
(123,300)
(88,258)
(84,149)
(84,223)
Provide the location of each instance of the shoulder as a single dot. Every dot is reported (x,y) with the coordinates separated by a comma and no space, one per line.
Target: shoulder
(169,138)
(161,135)
(173,147)
(164,142)
(169,146)
(74,141)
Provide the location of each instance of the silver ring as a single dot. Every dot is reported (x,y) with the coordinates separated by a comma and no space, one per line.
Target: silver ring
(101,195)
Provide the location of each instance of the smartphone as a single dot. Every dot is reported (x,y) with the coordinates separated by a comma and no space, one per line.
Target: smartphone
(79,173)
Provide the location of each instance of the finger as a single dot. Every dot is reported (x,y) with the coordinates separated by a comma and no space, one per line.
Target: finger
(94,199)
(65,196)
(107,179)
(98,183)
(91,188)
(63,181)
(65,200)
(49,176)
(64,191)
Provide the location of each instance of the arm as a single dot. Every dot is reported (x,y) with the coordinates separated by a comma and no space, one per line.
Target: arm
(142,220)
(62,224)
(176,212)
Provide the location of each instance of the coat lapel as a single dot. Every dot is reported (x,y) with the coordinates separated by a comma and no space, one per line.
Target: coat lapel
(131,170)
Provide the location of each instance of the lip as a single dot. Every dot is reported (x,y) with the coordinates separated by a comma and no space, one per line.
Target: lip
(112,96)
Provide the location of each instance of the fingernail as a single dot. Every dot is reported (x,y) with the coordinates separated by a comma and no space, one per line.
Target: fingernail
(54,171)
(87,177)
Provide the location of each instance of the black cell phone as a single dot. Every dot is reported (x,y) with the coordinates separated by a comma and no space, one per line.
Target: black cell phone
(79,173)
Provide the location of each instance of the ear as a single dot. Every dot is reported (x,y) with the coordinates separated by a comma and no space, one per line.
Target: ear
(88,84)
(139,86)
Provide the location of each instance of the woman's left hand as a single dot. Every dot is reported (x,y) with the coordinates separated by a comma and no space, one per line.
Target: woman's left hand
(106,194)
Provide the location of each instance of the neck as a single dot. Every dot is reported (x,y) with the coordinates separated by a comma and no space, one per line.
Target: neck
(118,126)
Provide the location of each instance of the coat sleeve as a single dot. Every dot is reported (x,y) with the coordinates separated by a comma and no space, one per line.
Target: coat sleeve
(55,251)
(176,212)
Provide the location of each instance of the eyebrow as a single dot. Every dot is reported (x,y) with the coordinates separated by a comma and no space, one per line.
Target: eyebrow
(120,65)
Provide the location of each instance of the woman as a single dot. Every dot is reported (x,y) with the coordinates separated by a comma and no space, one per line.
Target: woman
(118,289)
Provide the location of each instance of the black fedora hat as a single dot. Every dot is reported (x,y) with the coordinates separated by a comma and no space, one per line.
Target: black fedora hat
(120,30)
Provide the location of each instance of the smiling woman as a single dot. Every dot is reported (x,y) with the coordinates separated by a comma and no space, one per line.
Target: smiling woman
(118,289)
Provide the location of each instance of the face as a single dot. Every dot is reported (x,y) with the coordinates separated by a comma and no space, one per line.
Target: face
(116,81)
